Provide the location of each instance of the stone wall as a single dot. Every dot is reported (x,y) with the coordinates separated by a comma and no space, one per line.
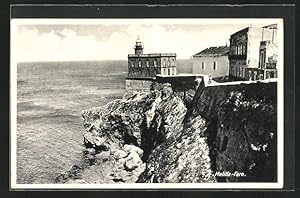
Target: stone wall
(183,86)
(139,84)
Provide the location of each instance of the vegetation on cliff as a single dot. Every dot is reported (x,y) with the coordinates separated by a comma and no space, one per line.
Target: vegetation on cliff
(241,129)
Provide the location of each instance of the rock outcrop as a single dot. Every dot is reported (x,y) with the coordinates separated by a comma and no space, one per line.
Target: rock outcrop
(112,141)
(124,135)
(156,137)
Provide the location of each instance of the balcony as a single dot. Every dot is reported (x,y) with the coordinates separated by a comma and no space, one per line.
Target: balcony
(271,65)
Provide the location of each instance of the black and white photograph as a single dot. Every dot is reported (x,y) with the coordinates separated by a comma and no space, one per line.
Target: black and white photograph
(146,103)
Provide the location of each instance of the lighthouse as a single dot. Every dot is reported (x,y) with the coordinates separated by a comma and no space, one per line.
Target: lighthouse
(147,66)
(138,48)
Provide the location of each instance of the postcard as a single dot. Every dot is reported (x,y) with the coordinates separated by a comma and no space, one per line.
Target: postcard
(143,103)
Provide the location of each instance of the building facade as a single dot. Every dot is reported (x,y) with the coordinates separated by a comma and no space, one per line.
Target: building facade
(144,66)
(267,67)
(212,61)
(245,51)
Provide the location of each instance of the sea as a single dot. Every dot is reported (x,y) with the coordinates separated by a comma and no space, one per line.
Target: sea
(50,99)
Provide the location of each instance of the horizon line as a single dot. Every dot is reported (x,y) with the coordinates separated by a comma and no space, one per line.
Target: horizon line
(49,61)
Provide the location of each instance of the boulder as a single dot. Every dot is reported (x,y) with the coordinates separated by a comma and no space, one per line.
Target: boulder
(102,157)
(119,154)
(133,149)
(132,161)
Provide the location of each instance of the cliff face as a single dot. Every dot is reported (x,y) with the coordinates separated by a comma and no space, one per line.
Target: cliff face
(156,137)
(112,141)
(124,135)
(182,157)
(241,123)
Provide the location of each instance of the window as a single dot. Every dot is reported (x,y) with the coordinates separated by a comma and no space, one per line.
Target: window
(173,62)
(147,63)
(155,63)
(241,49)
(240,71)
(255,77)
(215,65)
(203,65)
(232,50)
(244,49)
(169,73)
(132,63)
(140,63)
(164,63)
(262,58)
(250,75)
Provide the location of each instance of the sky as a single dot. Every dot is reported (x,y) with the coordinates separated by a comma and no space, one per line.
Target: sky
(62,40)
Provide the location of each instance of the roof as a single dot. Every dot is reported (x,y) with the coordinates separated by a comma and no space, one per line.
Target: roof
(272,26)
(241,31)
(213,51)
(153,55)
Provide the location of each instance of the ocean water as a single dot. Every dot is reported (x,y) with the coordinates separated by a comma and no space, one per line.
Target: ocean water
(50,98)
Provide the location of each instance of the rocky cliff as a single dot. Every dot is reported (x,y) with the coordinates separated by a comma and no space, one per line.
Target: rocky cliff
(241,121)
(155,137)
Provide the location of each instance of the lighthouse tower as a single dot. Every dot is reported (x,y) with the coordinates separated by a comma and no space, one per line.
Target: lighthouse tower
(138,48)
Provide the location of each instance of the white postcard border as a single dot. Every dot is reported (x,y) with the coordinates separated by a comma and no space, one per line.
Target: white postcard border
(240,185)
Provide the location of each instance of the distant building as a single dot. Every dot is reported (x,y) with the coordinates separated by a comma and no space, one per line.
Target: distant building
(244,51)
(142,65)
(212,61)
(267,67)
(268,51)
(143,68)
